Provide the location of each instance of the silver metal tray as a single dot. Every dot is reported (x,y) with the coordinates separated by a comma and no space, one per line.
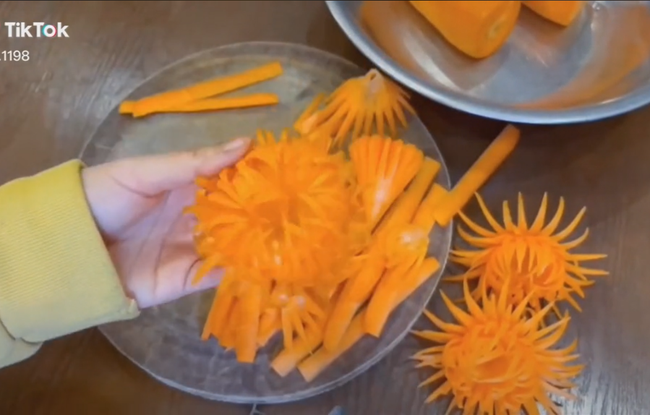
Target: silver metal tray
(165,341)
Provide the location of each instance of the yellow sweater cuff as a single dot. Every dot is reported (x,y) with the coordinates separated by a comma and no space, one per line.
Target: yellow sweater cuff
(56,276)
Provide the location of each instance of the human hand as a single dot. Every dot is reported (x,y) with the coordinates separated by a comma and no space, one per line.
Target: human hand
(137,204)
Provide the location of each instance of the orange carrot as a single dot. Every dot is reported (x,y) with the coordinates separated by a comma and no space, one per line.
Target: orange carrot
(561,12)
(269,326)
(209,326)
(425,216)
(407,204)
(317,362)
(288,359)
(224,301)
(202,90)
(216,104)
(388,291)
(477,175)
(308,112)
(248,324)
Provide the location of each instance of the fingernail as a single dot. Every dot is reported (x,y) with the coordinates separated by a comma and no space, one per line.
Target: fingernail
(236,144)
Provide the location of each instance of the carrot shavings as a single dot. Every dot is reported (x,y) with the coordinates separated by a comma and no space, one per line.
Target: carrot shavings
(536,261)
(361,106)
(493,360)
(477,175)
(211,88)
(384,167)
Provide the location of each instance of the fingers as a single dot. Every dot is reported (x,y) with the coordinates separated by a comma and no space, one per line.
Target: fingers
(152,175)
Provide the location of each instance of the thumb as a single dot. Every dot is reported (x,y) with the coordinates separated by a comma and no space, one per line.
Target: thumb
(151,175)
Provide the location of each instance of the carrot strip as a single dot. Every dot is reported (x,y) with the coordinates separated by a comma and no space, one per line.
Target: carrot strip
(477,175)
(407,204)
(202,90)
(309,111)
(386,295)
(216,104)
(218,317)
(322,358)
(288,359)
(424,216)
(248,324)
(208,326)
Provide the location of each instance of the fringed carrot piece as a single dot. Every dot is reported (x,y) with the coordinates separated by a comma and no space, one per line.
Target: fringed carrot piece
(407,204)
(536,261)
(361,106)
(425,214)
(218,86)
(322,358)
(389,291)
(477,175)
(309,111)
(384,167)
(218,104)
(494,360)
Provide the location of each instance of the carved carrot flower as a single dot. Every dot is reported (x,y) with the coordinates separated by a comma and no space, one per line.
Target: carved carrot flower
(537,260)
(361,105)
(495,361)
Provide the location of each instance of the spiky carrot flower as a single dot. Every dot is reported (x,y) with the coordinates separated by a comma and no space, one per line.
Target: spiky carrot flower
(288,212)
(536,260)
(360,105)
(495,361)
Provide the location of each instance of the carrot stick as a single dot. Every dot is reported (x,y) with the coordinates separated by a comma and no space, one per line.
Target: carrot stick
(201,90)
(209,322)
(248,324)
(424,216)
(224,301)
(308,112)
(288,359)
(269,326)
(477,175)
(317,362)
(407,204)
(216,104)
(356,292)
(386,295)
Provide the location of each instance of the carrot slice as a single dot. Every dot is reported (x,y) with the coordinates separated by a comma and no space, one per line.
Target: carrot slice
(248,324)
(384,167)
(388,291)
(217,104)
(202,90)
(309,111)
(477,175)
(407,204)
(322,358)
(424,216)
(222,305)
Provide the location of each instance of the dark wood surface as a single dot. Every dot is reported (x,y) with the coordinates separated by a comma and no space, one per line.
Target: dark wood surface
(51,104)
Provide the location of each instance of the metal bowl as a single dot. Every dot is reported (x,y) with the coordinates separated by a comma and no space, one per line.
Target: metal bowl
(596,68)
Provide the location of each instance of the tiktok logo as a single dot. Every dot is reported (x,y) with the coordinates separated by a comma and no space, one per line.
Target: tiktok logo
(40,29)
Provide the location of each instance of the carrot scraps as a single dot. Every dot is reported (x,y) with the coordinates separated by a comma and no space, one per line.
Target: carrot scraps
(323,357)
(384,167)
(477,175)
(494,360)
(359,106)
(536,261)
(217,104)
(211,88)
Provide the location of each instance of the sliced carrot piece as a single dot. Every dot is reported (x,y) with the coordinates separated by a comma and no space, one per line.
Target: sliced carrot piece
(387,293)
(477,175)
(288,359)
(202,90)
(407,204)
(322,358)
(217,104)
(384,167)
(248,324)
(424,216)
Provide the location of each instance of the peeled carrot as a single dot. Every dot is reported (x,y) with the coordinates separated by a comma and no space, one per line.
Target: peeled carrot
(309,111)
(317,362)
(476,28)
(248,324)
(425,216)
(407,204)
(477,175)
(200,91)
(216,104)
(388,291)
(561,12)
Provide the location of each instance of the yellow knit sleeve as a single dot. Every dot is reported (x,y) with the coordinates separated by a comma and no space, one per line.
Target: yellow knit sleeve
(56,276)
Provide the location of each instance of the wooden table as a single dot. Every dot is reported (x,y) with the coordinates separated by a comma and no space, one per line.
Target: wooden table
(51,104)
